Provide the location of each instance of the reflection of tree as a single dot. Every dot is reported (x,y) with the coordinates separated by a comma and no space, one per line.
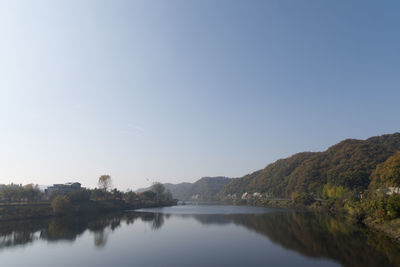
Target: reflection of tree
(100,238)
(310,234)
(19,233)
(67,228)
(317,236)
(16,238)
(63,229)
(158,221)
(102,226)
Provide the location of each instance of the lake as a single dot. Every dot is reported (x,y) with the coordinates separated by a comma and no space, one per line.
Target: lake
(195,236)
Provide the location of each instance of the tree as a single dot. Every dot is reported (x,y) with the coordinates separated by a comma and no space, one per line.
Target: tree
(168,196)
(105,182)
(31,192)
(116,194)
(79,196)
(130,197)
(303,198)
(97,194)
(387,174)
(158,189)
(61,205)
(148,195)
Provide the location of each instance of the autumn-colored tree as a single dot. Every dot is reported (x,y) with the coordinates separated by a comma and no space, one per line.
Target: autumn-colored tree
(105,182)
(387,174)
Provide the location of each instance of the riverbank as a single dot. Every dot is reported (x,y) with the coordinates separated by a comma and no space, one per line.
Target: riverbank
(19,211)
(344,211)
(390,228)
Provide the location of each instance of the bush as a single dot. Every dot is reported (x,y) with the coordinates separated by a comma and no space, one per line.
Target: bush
(393,206)
(304,199)
(149,195)
(61,205)
(79,196)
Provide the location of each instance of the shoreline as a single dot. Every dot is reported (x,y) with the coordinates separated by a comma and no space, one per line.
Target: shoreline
(391,229)
(27,211)
(10,212)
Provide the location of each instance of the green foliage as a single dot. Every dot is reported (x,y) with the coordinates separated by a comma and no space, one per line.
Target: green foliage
(157,196)
(130,197)
(387,174)
(98,194)
(346,165)
(167,196)
(116,194)
(303,199)
(270,179)
(19,193)
(158,189)
(148,195)
(61,205)
(331,191)
(79,196)
(380,207)
(393,206)
(355,210)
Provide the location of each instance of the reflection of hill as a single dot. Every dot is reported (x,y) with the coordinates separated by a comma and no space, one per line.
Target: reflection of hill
(309,234)
(317,236)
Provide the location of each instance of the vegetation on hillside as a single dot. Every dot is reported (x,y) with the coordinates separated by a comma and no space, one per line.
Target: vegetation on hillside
(387,174)
(360,178)
(270,179)
(344,166)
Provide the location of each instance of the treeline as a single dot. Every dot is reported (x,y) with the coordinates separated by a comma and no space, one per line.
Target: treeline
(358,177)
(77,201)
(63,203)
(382,199)
(19,193)
(204,189)
(348,164)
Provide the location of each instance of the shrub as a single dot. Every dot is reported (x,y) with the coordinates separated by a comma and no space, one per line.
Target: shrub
(61,205)
(393,206)
(79,196)
(304,199)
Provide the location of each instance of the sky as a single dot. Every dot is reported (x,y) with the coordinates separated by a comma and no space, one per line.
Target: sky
(174,90)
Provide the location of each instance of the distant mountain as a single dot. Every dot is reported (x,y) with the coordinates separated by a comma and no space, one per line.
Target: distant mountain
(348,164)
(205,189)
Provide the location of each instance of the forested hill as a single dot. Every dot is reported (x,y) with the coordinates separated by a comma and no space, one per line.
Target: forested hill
(348,165)
(205,189)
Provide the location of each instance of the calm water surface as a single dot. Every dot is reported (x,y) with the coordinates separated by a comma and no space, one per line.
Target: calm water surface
(194,236)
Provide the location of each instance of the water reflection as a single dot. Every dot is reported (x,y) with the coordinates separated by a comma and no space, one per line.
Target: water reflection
(312,235)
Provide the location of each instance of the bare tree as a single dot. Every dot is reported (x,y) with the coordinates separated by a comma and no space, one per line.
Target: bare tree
(105,182)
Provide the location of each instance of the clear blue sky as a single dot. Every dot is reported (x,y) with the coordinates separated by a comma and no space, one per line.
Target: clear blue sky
(172,91)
